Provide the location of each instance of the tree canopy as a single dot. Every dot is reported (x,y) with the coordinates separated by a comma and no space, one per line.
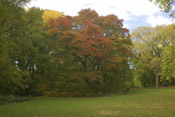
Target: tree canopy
(166,6)
(152,48)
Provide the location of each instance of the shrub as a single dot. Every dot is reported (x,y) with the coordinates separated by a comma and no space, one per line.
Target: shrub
(76,94)
(65,94)
(11,98)
(41,89)
(99,93)
(51,94)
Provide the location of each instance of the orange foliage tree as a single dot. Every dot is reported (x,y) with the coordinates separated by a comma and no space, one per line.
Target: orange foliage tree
(96,42)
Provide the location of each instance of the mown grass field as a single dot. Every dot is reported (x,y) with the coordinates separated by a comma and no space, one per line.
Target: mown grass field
(137,103)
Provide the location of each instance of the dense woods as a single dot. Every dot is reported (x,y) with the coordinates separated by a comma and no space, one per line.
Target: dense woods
(44,52)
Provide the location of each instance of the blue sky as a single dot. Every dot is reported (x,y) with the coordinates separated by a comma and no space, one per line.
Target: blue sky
(135,13)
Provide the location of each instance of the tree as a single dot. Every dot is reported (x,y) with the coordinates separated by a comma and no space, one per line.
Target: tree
(11,23)
(149,44)
(28,47)
(166,6)
(50,14)
(95,44)
(149,50)
(167,69)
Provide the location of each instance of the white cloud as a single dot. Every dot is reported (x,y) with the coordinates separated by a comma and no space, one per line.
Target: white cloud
(122,8)
(125,25)
(68,7)
(133,7)
(158,20)
(129,10)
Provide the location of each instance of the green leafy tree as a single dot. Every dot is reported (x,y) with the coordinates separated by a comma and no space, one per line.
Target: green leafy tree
(167,66)
(166,6)
(29,47)
(10,25)
(167,69)
(149,44)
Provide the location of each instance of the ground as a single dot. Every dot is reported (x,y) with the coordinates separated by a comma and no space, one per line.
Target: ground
(145,102)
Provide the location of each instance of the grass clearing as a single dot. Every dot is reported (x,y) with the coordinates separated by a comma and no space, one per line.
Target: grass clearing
(137,103)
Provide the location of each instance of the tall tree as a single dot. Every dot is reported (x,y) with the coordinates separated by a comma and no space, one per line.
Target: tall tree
(96,43)
(11,23)
(167,67)
(29,46)
(166,6)
(149,44)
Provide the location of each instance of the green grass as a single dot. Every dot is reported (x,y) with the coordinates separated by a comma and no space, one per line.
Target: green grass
(137,103)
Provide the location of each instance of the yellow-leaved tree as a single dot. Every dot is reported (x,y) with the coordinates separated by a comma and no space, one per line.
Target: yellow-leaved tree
(51,14)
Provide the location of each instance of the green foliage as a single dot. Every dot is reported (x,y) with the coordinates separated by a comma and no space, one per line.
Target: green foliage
(153,49)
(10,24)
(168,63)
(166,6)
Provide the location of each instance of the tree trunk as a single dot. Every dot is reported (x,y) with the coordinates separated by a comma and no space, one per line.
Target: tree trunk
(151,80)
(33,71)
(84,64)
(173,82)
(157,77)
(84,67)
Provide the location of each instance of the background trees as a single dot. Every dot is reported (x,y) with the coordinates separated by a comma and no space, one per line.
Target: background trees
(43,50)
(152,48)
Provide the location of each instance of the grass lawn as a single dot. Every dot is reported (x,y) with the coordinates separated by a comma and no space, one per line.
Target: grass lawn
(137,103)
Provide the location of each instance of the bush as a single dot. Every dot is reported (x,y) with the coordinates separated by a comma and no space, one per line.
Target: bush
(51,94)
(11,98)
(41,89)
(74,94)
(67,94)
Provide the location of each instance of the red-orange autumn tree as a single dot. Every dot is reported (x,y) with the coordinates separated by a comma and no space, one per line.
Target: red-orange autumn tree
(98,45)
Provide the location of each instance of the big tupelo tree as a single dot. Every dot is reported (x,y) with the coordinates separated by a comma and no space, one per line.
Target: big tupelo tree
(93,50)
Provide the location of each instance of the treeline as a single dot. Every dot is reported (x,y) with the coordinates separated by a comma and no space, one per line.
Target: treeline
(44,51)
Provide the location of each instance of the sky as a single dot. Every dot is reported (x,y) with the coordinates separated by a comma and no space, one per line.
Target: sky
(135,13)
